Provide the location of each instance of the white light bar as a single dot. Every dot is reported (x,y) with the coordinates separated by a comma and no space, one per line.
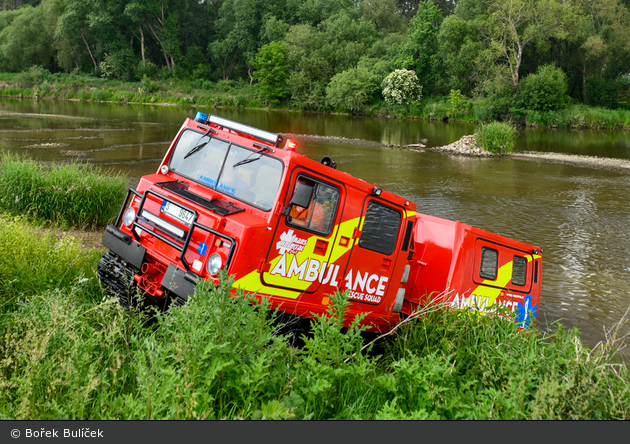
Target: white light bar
(258,133)
(163,224)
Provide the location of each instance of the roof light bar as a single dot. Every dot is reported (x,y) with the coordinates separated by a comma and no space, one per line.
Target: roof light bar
(258,133)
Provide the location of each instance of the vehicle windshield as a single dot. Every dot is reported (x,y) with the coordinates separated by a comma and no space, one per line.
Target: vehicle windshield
(255,182)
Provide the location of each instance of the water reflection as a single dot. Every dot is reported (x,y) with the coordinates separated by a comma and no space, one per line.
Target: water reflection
(580,217)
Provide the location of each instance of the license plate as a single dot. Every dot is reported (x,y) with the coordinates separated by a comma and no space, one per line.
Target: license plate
(177,212)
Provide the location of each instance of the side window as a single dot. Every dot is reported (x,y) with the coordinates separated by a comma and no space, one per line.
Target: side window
(320,213)
(519,270)
(380,228)
(489,263)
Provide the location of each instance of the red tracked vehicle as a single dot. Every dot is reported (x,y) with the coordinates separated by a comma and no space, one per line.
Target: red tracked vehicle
(227,197)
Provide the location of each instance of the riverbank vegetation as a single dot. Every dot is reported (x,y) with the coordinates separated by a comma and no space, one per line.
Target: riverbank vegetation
(67,195)
(69,351)
(555,63)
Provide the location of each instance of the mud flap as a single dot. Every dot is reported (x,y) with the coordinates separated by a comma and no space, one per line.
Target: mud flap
(180,283)
(124,246)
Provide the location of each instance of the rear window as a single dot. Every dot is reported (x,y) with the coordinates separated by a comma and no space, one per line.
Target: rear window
(380,228)
(489,263)
(519,270)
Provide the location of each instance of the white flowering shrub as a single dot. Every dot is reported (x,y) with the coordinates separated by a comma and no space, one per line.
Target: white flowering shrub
(401,87)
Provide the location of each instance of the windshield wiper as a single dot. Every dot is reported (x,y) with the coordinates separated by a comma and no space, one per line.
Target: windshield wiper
(249,159)
(196,148)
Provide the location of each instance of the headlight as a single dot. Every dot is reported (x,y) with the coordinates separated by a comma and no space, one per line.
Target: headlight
(129,216)
(214,264)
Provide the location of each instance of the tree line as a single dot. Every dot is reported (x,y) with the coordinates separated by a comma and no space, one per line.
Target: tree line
(323,54)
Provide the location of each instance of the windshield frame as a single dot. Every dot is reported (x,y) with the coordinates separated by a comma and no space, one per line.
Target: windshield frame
(232,149)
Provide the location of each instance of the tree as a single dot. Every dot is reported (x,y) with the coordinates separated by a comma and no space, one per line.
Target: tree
(602,43)
(513,24)
(420,53)
(352,89)
(384,14)
(271,71)
(161,18)
(459,46)
(27,41)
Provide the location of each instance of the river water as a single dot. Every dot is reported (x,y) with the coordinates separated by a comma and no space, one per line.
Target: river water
(579,216)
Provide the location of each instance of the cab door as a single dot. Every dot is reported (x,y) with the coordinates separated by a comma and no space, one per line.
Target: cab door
(301,254)
(368,275)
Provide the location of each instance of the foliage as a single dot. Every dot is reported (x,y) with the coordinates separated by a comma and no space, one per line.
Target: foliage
(401,87)
(70,195)
(27,41)
(352,89)
(420,52)
(498,99)
(459,46)
(272,71)
(32,261)
(472,48)
(70,354)
(496,137)
(34,76)
(512,25)
(603,92)
(118,65)
(544,91)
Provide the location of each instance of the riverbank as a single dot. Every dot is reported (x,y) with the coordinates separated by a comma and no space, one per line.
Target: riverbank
(40,85)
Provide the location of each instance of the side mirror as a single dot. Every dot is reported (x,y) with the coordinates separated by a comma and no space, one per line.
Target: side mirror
(302,196)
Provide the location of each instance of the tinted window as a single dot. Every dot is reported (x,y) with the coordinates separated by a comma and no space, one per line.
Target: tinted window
(380,228)
(320,214)
(519,270)
(489,262)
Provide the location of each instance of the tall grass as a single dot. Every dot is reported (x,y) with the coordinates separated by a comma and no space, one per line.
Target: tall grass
(496,137)
(66,194)
(65,356)
(32,261)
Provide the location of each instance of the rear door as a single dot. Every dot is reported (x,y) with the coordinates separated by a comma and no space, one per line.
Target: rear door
(374,252)
(504,275)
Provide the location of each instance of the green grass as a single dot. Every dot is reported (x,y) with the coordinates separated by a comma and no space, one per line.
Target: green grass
(68,356)
(33,260)
(70,195)
(496,137)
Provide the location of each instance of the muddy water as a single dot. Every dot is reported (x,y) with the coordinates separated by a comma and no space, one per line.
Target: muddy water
(580,217)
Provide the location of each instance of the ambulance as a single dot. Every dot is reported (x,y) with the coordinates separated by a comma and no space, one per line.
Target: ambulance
(236,199)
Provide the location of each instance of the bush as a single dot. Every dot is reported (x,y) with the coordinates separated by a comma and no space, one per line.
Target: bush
(496,137)
(402,87)
(118,65)
(271,71)
(544,91)
(34,76)
(352,89)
